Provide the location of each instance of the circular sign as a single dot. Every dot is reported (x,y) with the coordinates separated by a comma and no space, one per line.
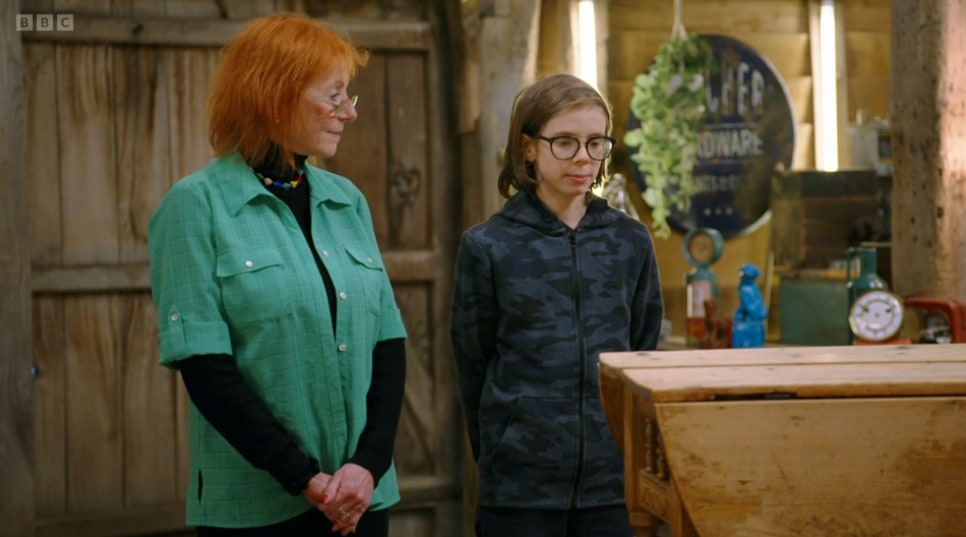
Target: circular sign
(749,130)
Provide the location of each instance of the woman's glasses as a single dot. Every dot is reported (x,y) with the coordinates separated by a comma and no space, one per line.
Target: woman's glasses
(566,147)
(340,106)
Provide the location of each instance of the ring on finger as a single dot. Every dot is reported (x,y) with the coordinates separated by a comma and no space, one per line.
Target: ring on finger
(344,513)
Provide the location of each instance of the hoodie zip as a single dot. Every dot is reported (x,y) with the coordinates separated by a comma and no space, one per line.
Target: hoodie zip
(581,350)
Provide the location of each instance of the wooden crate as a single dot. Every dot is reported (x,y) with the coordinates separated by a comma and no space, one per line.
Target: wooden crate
(817,215)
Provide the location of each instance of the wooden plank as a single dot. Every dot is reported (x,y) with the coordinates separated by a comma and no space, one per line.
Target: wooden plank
(50,407)
(417,439)
(16,384)
(867,53)
(148,408)
(95,278)
(190,70)
(738,16)
(81,7)
(867,93)
(245,9)
(789,54)
(137,8)
(43,173)
(144,521)
(86,146)
(615,362)
(193,9)
(200,32)
(140,121)
(799,381)
(411,181)
(363,154)
(94,453)
(408,266)
(424,489)
(867,15)
(892,466)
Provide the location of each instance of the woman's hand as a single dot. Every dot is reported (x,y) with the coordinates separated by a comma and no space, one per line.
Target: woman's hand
(314,492)
(346,496)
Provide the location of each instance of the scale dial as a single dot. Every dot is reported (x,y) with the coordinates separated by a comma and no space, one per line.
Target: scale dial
(876,315)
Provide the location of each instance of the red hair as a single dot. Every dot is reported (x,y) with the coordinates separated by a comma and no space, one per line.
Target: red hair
(256,88)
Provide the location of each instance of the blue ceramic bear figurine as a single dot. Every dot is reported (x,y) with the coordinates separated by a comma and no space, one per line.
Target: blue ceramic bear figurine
(748,327)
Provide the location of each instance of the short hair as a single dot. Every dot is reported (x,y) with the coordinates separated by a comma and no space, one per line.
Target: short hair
(533,107)
(255,92)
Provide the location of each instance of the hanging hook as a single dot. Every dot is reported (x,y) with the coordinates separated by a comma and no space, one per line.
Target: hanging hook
(678,31)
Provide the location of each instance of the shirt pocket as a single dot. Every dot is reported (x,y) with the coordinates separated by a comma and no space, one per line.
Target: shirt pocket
(254,284)
(371,276)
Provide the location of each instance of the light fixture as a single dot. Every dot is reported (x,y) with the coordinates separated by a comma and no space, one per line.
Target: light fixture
(826,120)
(586,46)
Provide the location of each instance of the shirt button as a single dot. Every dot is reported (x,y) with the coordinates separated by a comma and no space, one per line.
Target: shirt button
(342,295)
(249,264)
(342,347)
(174,317)
(369,260)
(325,253)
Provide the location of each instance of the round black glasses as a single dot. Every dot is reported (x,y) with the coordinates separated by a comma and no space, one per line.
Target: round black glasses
(566,147)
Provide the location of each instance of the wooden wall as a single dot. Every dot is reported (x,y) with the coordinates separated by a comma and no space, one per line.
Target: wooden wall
(779,30)
(114,115)
(112,121)
(866,25)
(16,383)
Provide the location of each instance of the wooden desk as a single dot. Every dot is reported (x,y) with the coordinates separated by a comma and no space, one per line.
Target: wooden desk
(797,441)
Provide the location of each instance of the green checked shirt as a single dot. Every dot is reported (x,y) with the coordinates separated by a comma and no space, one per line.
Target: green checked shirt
(231,273)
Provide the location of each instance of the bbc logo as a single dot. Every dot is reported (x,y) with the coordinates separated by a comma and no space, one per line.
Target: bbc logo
(45,22)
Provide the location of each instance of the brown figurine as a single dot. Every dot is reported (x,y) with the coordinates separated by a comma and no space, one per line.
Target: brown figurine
(717,329)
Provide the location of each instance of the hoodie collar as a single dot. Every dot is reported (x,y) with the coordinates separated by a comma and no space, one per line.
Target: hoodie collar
(527,209)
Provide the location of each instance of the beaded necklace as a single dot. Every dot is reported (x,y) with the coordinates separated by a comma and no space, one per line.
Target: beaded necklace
(278,183)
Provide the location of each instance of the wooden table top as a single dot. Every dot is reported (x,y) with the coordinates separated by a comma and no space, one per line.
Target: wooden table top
(791,372)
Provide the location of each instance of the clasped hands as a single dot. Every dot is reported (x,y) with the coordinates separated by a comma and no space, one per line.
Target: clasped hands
(343,496)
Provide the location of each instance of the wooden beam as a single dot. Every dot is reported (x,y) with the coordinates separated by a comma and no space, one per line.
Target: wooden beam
(130,521)
(425,489)
(403,267)
(187,32)
(91,279)
(928,133)
(16,383)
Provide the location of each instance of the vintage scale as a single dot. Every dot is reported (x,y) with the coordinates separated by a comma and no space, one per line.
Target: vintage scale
(703,246)
(875,313)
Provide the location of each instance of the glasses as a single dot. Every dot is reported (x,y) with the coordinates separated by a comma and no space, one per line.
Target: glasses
(566,147)
(340,106)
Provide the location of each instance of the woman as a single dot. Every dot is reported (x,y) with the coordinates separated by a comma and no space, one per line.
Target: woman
(548,282)
(274,304)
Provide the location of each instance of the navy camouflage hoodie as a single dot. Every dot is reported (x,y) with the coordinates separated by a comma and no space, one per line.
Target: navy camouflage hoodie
(534,304)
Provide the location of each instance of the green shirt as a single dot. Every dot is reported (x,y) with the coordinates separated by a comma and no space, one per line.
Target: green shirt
(231,273)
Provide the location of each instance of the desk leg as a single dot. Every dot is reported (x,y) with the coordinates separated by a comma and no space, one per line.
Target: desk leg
(645,524)
(681,525)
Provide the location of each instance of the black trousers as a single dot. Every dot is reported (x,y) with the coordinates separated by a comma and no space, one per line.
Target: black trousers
(312,523)
(609,521)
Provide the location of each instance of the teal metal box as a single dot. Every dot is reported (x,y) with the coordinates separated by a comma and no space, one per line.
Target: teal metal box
(813,311)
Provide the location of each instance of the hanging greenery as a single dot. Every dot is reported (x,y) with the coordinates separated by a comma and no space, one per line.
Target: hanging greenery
(668,101)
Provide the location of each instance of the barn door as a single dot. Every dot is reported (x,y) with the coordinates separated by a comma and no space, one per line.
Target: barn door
(115,114)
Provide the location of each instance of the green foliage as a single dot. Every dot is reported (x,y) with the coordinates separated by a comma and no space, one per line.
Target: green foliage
(668,100)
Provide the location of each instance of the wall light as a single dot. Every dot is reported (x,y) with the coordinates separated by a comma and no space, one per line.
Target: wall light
(826,120)
(586,47)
